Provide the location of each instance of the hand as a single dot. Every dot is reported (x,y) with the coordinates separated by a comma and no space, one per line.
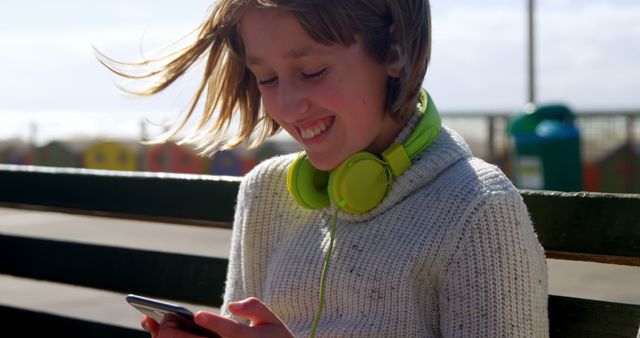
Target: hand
(264,323)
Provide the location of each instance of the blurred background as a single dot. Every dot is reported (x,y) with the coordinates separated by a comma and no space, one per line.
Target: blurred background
(60,107)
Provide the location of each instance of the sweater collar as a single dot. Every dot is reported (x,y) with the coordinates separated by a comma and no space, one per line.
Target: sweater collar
(446,149)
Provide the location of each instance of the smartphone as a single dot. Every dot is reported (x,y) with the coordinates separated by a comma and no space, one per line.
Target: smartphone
(159,311)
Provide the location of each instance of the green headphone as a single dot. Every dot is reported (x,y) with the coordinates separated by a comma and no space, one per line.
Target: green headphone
(361,181)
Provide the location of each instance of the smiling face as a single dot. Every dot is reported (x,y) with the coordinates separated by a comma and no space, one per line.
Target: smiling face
(330,98)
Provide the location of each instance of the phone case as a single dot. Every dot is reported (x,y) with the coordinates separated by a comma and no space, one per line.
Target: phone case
(160,310)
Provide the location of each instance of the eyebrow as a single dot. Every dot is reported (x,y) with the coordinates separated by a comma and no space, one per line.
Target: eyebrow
(298,53)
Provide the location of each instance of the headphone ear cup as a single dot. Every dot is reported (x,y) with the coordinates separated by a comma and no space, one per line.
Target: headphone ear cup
(307,185)
(359,183)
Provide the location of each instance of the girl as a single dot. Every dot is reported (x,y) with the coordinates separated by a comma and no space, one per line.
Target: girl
(446,250)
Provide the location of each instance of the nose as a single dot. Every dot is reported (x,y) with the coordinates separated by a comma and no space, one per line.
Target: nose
(292,101)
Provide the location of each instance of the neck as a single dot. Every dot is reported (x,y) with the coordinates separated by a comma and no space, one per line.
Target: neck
(387,135)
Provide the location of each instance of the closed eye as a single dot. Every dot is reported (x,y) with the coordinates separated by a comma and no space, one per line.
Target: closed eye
(268,82)
(314,75)
(306,76)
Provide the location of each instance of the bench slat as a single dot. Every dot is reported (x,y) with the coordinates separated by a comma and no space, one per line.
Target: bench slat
(587,223)
(593,224)
(26,323)
(175,197)
(606,259)
(579,318)
(179,277)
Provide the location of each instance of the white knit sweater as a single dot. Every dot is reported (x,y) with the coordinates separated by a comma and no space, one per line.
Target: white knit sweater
(450,252)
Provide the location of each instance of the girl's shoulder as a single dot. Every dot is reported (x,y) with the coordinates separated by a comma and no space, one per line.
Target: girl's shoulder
(448,168)
(472,180)
(486,177)
(264,188)
(271,172)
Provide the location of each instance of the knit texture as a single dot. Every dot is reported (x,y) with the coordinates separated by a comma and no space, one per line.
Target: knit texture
(450,252)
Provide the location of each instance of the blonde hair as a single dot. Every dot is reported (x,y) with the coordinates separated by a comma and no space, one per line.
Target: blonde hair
(395,32)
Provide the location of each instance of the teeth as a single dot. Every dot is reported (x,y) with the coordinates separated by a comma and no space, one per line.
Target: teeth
(307,134)
(312,132)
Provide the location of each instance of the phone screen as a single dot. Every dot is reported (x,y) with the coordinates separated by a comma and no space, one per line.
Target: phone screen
(160,310)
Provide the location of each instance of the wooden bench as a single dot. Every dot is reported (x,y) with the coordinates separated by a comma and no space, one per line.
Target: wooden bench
(591,227)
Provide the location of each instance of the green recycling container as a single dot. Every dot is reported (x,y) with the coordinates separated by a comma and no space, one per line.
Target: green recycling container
(547,150)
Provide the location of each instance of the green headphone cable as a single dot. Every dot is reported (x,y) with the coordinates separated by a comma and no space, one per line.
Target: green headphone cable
(332,232)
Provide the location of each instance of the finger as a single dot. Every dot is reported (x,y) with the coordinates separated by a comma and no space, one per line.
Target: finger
(254,310)
(172,329)
(170,332)
(168,323)
(150,325)
(223,326)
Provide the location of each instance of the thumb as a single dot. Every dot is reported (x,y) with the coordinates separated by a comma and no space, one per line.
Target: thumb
(254,310)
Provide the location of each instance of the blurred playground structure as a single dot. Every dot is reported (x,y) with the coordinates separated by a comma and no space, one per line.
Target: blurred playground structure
(607,146)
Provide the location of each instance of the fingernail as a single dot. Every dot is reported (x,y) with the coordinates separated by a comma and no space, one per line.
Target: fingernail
(201,318)
(236,306)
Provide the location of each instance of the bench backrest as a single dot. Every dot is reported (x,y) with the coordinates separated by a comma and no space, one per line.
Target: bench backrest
(577,226)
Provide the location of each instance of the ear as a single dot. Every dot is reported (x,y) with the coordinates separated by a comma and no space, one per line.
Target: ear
(395,61)
(395,58)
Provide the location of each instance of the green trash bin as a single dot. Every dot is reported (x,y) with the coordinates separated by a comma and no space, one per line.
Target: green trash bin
(547,150)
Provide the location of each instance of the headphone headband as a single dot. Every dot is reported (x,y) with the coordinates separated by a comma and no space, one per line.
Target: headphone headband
(428,127)
(426,131)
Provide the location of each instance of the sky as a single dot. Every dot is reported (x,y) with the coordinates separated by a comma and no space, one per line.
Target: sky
(587,56)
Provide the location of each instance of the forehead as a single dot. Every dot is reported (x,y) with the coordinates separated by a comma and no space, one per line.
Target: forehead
(274,31)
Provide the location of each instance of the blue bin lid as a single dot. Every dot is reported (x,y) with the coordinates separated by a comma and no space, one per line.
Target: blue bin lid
(556,129)
(528,123)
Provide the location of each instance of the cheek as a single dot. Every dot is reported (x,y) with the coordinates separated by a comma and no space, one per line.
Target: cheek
(332,95)
(270,106)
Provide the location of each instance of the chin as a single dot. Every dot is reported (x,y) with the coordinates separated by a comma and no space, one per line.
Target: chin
(324,164)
